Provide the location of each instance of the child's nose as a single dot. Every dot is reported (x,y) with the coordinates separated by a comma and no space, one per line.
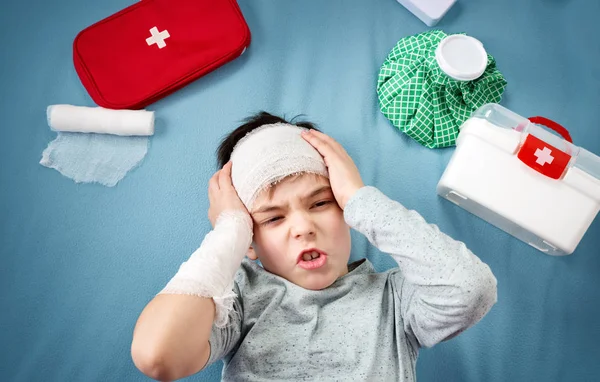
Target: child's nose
(302,226)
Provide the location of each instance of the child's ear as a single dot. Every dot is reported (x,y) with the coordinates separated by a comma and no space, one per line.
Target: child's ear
(251,254)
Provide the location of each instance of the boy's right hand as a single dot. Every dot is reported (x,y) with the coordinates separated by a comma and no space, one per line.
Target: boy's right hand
(222,195)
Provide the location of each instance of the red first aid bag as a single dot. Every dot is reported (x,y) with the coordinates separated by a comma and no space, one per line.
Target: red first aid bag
(155,47)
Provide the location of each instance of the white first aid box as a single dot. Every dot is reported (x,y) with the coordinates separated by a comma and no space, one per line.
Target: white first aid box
(524,179)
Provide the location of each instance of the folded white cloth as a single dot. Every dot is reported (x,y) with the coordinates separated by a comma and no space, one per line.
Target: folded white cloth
(100,120)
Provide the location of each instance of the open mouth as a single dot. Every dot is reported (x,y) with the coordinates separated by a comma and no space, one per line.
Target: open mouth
(311,259)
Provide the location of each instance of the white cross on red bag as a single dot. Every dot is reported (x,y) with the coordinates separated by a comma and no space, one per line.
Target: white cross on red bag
(543,157)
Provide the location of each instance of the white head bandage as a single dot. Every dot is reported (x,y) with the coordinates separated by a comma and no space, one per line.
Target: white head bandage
(269,154)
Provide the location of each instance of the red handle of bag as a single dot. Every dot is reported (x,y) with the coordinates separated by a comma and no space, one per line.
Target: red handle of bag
(552,125)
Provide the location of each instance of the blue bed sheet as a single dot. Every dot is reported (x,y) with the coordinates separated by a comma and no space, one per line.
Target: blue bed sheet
(80,261)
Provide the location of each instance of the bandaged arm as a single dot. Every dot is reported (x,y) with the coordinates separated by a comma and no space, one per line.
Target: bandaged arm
(170,340)
(444,288)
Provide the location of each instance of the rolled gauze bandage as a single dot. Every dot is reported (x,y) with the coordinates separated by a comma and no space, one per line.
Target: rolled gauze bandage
(83,119)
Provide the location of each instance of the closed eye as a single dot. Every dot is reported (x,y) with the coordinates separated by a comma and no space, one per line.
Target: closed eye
(321,203)
(271,220)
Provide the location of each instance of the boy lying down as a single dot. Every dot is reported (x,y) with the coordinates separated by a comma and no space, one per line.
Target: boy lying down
(291,194)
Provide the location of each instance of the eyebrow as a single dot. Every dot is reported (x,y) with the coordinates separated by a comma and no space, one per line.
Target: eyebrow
(270,208)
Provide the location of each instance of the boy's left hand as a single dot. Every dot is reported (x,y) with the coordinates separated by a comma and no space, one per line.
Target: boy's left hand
(344,177)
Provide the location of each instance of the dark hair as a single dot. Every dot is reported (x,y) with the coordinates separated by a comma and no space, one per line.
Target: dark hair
(250,124)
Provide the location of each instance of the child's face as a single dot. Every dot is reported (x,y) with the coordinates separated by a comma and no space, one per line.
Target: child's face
(297,218)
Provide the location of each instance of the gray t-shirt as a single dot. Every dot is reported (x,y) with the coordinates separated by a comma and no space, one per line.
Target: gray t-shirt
(366,326)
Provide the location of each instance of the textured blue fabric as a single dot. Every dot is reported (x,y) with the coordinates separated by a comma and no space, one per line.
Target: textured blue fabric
(89,157)
(80,261)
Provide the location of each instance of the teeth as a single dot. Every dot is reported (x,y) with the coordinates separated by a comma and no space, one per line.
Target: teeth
(308,256)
